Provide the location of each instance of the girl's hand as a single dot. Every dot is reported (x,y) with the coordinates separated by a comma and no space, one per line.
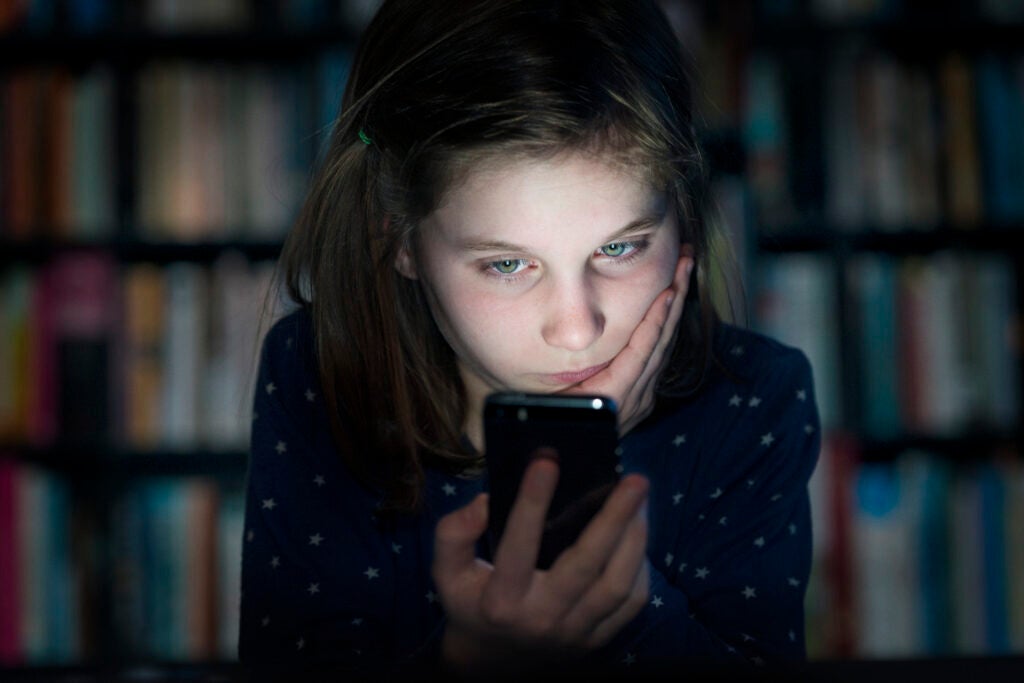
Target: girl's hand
(510,612)
(630,378)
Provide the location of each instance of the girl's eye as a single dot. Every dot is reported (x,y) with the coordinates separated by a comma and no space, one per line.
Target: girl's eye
(508,266)
(619,249)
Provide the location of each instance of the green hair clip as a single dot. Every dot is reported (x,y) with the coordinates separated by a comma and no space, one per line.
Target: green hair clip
(364,137)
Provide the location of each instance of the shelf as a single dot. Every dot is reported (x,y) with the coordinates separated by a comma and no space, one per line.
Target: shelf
(925,35)
(134,47)
(41,250)
(964,448)
(829,238)
(97,463)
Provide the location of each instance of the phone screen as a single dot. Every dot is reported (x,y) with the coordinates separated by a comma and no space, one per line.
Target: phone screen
(583,432)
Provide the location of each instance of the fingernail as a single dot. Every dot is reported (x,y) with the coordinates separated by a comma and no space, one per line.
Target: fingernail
(668,300)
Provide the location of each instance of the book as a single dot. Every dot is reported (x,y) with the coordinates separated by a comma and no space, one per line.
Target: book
(10,565)
(961,169)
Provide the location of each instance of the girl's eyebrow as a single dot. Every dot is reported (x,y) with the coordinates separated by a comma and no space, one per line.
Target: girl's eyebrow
(642,223)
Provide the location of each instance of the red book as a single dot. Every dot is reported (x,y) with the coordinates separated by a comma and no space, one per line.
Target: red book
(842,451)
(10,608)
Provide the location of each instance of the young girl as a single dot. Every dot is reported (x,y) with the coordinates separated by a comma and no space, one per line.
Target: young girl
(512,200)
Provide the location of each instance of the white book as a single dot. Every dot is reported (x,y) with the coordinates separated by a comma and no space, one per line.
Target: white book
(844,147)
(231,525)
(795,304)
(184,354)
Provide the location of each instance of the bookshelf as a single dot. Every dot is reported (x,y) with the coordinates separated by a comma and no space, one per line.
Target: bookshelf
(879,210)
(766,69)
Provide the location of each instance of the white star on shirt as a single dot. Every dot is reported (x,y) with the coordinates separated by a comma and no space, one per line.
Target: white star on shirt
(372,573)
(271,388)
(716,493)
(250,535)
(319,480)
(808,429)
(793,582)
(314,588)
(316,539)
(776,496)
(749,592)
(357,621)
(723,521)
(682,566)
(269,503)
(265,621)
(275,561)
(310,395)
(754,402)
(677,498)
(679,440)
(792,635)
(668,559)
(767,439)
(281,447)
(736,350)
(801,394)
(396,549)
(702,573)
(657,601)
(431,597)
(735,400)
(449,490)
(750,483)
(792,529)
(301,643)
(629,659)
(759,541)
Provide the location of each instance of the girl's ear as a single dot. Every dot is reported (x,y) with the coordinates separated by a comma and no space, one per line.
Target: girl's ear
(405,263)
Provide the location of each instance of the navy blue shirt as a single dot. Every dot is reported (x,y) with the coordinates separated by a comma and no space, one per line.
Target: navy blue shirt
(325,584)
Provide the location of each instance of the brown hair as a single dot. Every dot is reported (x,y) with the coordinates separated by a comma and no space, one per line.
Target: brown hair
(438,90)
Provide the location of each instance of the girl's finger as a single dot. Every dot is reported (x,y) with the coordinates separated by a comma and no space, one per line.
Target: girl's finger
(584,562)
(638,596)
(615,586)
(667,331)
(516,556)
(455,540)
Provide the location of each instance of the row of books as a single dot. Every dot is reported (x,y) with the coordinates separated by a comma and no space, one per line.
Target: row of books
(140,355)
(916,557)
(887,10)
(220,152)
(904,145)
(177,545)
(935,337)
(41,578)
(174,564)
(88,16)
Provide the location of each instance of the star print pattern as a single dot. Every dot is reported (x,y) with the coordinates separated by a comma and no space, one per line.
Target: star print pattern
(739,458)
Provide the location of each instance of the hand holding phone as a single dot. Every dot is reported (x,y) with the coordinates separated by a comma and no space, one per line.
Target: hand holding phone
(579,432)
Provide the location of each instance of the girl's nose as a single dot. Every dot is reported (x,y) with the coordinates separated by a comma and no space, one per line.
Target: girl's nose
(574,320)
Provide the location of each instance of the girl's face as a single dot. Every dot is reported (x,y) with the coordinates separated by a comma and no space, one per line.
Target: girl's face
(537,272)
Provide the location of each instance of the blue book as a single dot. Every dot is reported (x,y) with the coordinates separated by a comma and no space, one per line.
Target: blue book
(1000,112)
(332,75)
(934,559)
(994,575)
(880,404)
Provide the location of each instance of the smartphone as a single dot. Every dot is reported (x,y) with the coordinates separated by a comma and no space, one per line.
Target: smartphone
(583,432)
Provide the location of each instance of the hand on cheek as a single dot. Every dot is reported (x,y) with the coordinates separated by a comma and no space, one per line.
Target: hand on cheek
(631,377)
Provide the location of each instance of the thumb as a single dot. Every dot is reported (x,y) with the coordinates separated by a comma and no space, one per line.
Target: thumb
(455,539)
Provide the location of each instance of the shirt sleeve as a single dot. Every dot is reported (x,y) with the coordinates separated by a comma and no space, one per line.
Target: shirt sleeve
(317,570)
(730,585)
